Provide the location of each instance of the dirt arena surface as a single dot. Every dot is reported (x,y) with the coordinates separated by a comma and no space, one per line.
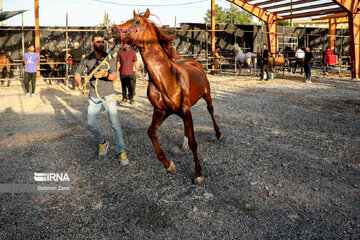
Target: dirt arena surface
(288,167)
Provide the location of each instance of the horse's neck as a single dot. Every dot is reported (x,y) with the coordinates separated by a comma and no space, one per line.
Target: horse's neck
(156,61)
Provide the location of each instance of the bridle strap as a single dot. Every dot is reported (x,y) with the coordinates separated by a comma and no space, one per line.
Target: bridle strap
(121,30)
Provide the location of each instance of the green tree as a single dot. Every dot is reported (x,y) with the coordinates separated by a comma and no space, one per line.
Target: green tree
(286,23)
(234,15)
(107,21)
(220,15)
(283,23)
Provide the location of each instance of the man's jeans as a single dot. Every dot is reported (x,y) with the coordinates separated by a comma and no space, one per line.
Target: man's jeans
(93,112)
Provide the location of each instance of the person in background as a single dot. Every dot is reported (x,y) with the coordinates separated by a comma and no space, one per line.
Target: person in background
(76,55)
(44,54)
(328,52)
(265,63)
(126,60)
(31,62)
(308,59)
(299,55)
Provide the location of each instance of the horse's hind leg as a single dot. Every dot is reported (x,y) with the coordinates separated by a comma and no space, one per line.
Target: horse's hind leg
(158,118)
(9,75)
(210,108)
(189,129)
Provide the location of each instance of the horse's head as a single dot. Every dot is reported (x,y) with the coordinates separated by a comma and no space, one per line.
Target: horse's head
(132,31)
(237,49)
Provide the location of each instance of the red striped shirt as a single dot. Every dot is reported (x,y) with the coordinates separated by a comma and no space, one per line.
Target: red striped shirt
(126,59)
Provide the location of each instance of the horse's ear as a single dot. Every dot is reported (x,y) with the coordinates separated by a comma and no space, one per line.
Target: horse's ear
(135,14)
(147,13)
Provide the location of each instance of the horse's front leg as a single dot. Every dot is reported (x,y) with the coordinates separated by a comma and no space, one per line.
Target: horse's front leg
(189,131)
(158,118)
(249,64)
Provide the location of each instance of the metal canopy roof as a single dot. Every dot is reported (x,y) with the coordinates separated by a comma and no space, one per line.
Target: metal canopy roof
(291,9)
(8,14)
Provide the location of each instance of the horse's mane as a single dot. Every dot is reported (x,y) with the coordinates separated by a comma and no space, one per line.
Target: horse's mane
(165,40)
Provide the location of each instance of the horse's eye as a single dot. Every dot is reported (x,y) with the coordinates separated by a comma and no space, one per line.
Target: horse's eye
(136,22)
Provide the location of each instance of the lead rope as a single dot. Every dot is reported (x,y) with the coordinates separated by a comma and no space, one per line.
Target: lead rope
(117,97)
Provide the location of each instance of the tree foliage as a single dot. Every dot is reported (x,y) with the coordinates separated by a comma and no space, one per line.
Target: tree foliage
(231,15)
(106,22)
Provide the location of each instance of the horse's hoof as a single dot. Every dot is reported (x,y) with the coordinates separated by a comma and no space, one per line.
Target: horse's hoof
(172,168)
(221,136)
(185,148)
(199,180)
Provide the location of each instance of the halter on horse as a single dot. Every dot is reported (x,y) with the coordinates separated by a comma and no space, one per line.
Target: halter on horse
(169,89)
(249,58)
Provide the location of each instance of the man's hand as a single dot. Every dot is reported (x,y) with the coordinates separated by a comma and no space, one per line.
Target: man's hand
(101,74)
(136,73)
(80,88)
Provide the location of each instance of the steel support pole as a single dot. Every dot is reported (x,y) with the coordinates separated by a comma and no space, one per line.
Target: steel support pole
(354,28)
(37,32)
(332,33)
(213,22)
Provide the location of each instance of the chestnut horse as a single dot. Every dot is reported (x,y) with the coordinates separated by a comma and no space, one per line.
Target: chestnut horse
(5,59)
(174,84)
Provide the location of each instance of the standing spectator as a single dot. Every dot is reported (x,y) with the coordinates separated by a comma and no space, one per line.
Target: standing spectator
(126,60)
(265,63)
(105,88)
(44,55)
(31,61)
(326,53)
(309,58)
(76,55)
(217,61)
(299,55)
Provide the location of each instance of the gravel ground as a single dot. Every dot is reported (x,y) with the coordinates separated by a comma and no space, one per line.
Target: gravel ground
(288,167)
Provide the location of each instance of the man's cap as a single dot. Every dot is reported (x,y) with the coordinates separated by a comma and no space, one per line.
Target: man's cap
(76,44)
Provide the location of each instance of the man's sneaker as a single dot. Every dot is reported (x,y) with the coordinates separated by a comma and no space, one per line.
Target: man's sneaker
(26,94)
(103,148)
(123,159)
(33,95)
(132,102)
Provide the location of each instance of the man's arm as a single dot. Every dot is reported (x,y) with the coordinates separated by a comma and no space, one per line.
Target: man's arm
(118,68)
(311,60)
(136,68)
(111,74)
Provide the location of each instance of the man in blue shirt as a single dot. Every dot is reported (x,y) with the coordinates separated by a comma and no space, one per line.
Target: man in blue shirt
(31,61)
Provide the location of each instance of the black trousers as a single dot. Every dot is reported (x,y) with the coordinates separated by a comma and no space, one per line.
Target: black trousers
(264,68)
(27,78)
(128,84)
